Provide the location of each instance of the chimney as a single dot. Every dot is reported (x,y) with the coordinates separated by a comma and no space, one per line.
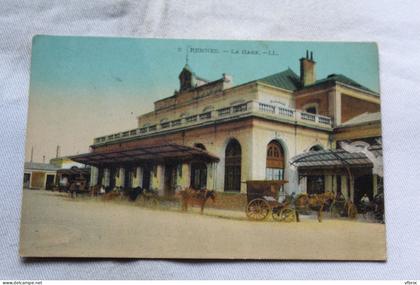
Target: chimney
(307,69)
(57,152)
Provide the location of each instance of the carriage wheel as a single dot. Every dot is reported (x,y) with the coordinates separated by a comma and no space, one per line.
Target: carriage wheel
(284,214)
(276,213)
(257,209)
(288,215)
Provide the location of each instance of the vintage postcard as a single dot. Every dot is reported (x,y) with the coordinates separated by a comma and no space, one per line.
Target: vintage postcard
(153,148)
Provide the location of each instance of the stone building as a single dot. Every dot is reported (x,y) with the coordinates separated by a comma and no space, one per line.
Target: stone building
(217,135)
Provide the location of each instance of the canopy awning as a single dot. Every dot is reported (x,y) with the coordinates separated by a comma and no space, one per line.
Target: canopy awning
(337,159)
(145,153)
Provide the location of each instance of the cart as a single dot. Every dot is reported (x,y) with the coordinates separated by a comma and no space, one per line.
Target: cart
(262,199)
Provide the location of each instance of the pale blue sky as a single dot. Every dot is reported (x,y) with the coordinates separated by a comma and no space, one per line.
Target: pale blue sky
(83,87)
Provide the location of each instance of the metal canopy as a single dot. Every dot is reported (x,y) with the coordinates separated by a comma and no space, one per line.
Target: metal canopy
(74,171)
(147,153)
(339,158)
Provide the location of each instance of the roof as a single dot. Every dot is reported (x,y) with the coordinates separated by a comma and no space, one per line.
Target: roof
(289,80)
(335,158)
(40,166)
(339,78)
(144,153)
(363,119)
(286,79)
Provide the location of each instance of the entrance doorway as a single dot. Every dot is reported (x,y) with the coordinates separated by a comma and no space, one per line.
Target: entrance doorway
(145,184)
(26,180)
(49,183)
(363,185)
(100,175)
(315,184)
(170,179)
(198,175)
(127,178)
(112,173)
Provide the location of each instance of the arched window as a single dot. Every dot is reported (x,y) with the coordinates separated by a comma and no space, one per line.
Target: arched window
(275,161)
(233,155)
(311,108)
(200,146)
(316,148)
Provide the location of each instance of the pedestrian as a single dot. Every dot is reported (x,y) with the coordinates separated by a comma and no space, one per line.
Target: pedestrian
(102,190)
(365,199)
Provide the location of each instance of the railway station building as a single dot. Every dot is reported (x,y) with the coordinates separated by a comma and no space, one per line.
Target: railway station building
(217,135)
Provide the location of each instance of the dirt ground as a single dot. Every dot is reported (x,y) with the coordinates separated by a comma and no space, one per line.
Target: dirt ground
(53,225)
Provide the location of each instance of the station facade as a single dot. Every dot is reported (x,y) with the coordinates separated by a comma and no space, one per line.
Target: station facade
(214,135)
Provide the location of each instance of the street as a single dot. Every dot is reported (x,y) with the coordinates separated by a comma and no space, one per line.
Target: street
(57,226)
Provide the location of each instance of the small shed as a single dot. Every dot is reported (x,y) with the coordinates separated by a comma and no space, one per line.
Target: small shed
(39,175)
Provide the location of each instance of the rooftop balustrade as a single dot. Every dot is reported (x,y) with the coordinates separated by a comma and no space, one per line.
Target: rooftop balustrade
(256,108)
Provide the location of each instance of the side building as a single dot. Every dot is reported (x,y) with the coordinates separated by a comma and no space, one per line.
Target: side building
(39,176)
(48,176)
(216,135)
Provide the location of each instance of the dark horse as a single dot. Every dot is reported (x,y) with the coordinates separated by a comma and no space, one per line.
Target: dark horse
(315,202)
(191,196)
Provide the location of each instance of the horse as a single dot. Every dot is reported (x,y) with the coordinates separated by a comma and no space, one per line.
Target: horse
(315,202)
(112,194)
(193,196)
(133,193)
(351,209)
(73,190)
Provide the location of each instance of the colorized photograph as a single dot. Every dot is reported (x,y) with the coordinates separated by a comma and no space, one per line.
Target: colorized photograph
(203,149)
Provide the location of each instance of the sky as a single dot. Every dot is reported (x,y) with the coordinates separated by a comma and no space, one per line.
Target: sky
(86,87)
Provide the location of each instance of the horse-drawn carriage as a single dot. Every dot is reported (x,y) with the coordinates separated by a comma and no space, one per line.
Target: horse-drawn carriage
(263,199)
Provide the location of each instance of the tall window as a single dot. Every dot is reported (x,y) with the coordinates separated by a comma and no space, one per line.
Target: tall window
(200,146)
(233,166)
(275,162)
